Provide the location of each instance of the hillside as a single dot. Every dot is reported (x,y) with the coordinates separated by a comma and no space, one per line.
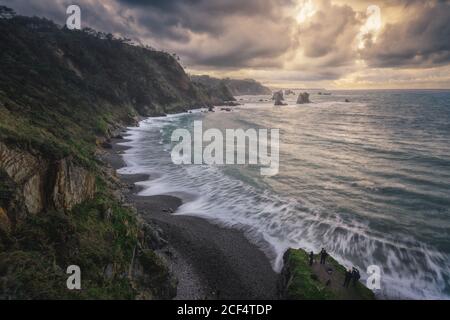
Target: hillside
(239,87)
(216,89)
(231,87)
(63,94)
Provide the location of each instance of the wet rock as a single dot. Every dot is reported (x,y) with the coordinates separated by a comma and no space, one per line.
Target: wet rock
(303,97)
(278,97)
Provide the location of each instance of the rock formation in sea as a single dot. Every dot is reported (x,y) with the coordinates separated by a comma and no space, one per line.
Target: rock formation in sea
(278,98)
(299,280)
(278,94)
(303,97)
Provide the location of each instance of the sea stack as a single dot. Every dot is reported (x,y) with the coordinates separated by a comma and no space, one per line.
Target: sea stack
(278,97)
(278,94)
(303,97)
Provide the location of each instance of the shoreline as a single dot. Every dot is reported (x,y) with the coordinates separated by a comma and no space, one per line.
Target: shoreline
(210,262)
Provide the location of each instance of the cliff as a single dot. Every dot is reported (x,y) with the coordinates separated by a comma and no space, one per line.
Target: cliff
(227,88)
(239,87)
(215,89)
(63,94)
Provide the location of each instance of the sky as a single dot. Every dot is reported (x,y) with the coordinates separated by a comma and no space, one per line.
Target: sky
(333,44)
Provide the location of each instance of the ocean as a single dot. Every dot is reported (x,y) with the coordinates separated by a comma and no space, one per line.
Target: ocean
(369,180)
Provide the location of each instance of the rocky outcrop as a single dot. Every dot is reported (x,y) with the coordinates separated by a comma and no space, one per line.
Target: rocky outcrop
(303,97)
(278,98)
(278,95)
(73,185)
(45,184)
(5,224)
(239,87)
(299,280)
(236,87)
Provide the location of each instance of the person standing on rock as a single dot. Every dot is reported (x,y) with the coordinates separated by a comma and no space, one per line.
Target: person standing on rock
(311,258)
(348,277)
(323,256)
(355,275)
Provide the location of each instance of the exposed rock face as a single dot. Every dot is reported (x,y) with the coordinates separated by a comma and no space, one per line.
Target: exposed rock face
(278,98)
(278,95)
(72,185)
(4,220)
(33,193)
(303,97)
(46,184)
(19,165)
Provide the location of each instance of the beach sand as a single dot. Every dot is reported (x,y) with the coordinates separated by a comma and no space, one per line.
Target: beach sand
(210,262)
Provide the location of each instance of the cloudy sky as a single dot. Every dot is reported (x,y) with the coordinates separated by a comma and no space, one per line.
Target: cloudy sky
(283,43)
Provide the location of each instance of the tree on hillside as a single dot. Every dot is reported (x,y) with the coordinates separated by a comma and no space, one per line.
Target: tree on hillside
(6,13)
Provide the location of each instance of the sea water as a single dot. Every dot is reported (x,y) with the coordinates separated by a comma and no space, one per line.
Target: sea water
(368,179)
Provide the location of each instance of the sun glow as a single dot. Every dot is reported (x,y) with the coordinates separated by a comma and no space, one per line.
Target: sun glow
(371,27)
(306,9)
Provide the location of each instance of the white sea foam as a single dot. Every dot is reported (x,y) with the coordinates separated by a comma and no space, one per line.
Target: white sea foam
(277,223)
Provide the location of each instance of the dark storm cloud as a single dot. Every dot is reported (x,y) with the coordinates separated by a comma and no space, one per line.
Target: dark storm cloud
(419,40)
(203,15)
(222,33)
(230,33)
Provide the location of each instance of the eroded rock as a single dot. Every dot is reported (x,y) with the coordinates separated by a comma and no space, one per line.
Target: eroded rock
(303,97)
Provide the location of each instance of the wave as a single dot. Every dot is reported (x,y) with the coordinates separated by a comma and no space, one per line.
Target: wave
(275,223)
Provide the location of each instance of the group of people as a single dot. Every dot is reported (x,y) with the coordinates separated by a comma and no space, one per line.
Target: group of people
(323,256)
(350,274)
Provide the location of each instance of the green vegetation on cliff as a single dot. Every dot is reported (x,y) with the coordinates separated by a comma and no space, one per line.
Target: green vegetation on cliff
(300,281)
(226,88)
(60,88)
(62,94)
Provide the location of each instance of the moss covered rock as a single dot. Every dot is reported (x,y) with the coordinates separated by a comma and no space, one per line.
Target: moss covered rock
(300,281)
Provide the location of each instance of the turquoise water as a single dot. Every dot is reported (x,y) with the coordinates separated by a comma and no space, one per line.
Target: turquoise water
(369,180)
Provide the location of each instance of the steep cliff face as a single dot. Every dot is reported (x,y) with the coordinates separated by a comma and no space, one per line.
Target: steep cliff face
(227,87)
(239,87)
(62,93)
(72,185)
(215,89)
